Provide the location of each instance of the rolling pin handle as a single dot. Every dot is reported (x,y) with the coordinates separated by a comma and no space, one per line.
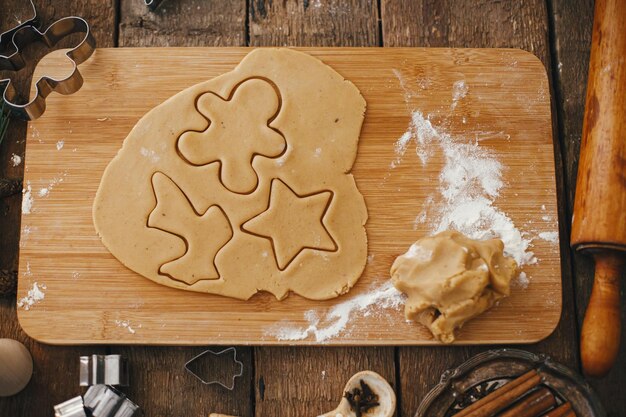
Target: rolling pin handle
(600,336)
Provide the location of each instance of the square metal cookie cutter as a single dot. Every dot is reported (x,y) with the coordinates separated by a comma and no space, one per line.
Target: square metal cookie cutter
(27,34)
(103,369)
(226,351)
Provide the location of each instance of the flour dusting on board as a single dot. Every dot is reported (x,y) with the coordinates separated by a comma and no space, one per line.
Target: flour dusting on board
(334,323)
(126,324)
(459,91)
(469,182)
(34,296)
(552,237)
(27,198)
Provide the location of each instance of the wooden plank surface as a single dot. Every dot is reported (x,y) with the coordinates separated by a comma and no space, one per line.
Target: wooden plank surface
(520,27)
(473,24)
(161,387)
(572,24)
(323,371)
(506,109)
(55,369)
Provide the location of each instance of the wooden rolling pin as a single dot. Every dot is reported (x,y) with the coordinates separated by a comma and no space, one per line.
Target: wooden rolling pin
(599,222)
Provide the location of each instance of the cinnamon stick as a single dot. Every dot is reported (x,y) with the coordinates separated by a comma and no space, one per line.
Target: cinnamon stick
(564,410)
(532,405)
(502,397)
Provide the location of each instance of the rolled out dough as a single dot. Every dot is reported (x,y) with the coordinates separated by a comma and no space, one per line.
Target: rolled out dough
(450,279)
(242,184)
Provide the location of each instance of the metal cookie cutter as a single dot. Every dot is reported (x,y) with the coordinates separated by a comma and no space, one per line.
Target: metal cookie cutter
(70,408)
(103,369)
(153,4)
(25,35)
(105,401)
(216,355)
(5,37)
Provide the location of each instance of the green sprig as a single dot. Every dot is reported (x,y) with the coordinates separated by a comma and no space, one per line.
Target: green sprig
(4,122)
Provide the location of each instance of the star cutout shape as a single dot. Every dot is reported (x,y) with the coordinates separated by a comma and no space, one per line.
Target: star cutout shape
(239,131)
(293,223)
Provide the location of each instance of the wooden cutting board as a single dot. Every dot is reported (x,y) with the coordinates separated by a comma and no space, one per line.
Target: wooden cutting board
(89,297)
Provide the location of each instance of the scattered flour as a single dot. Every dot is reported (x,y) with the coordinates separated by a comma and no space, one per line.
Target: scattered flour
(45,191)
(470,180)
(34,295)
(280,161)
(522,280)
(334,322)
(127,325)
(16,160)
(150,154)
(318,152)
(552,237)
(27,199)
(400,147)
(60,145)
(419,253)
(459,91)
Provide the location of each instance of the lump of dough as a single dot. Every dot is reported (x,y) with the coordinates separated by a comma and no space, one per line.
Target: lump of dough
(450,279)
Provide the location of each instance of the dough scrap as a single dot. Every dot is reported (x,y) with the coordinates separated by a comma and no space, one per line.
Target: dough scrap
(450,279)
(216,158)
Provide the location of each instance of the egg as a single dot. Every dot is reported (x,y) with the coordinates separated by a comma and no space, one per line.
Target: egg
(16,367)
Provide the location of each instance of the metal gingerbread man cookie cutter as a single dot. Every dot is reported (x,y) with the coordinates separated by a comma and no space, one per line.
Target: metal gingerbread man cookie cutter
(27,34)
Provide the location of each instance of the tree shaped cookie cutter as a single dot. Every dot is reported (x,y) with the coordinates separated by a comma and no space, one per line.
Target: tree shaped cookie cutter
(27,34)
(216,355)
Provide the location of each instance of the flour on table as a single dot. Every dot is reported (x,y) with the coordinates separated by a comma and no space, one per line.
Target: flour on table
(334,323)
(400,147)
(552,237)
(45,191)
(35,133)
(60,145)
(522,280)
(459,91)
(16,160)
(27,199)
(28,272)
(34,295)
(470,180)
(125,324)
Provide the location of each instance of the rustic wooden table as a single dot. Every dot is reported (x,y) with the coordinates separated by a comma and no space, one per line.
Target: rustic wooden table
(308,381)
